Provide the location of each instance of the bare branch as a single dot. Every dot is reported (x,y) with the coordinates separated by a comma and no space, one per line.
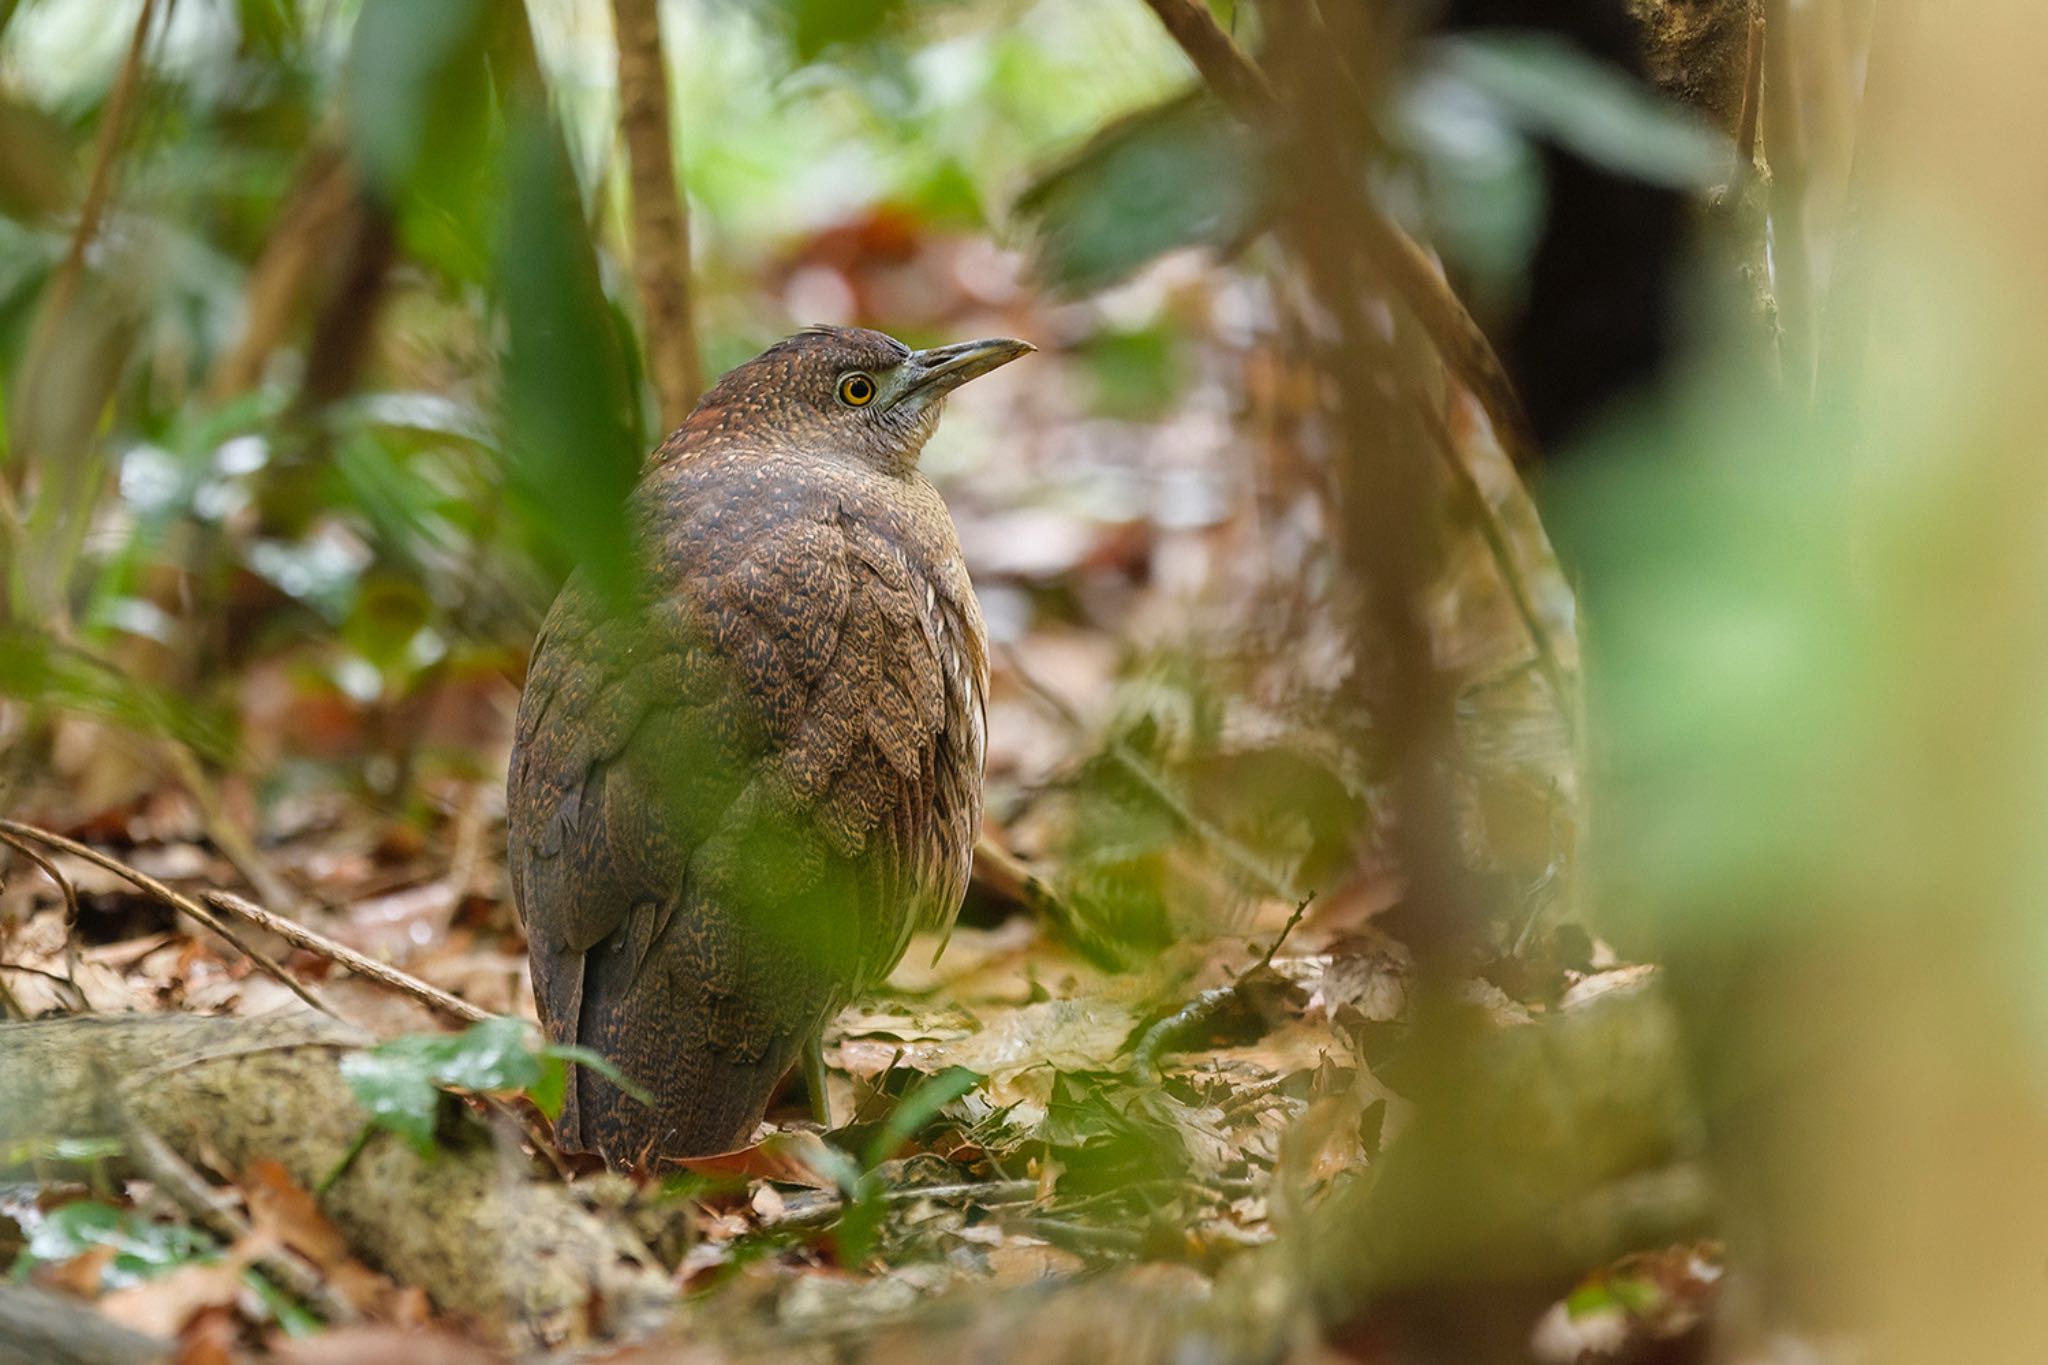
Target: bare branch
(299,936)
(659,217)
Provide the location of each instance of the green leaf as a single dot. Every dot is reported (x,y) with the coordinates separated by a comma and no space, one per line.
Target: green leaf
(397,1093)
(41,671)
(918,1108)
(142,1249)
(571,434)
(583,1056)
(1550,89)
(400,1082)
(1184,173)
(416,92)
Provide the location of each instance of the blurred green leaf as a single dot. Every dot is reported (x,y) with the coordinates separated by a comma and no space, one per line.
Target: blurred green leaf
(142,1249)
(416,92)
(1550,89)
(917,1109)
(569,402)
(38,670)
(400,1082)
(1180,174)
(811,26)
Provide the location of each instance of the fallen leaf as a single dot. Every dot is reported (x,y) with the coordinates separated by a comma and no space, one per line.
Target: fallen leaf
(162,1306)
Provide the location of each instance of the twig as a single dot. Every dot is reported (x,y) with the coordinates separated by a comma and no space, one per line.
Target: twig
(1457,336)
(1003,876)
(1300,909)
(70,894)
(299,936)
(190,1191)
(817,1212)
(175,899)
(660,218)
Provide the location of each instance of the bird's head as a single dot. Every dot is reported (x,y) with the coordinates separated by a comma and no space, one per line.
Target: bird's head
(846,392)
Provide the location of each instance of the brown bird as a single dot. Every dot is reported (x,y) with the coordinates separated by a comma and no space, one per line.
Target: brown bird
(736,794)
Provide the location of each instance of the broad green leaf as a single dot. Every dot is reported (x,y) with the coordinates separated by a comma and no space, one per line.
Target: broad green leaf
(571,434)
(1550,89)
(918,1108)
(142,1248)
(1180,174)
(400,1082)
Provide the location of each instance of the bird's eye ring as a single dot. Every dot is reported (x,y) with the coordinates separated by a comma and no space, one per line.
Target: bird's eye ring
(856,390)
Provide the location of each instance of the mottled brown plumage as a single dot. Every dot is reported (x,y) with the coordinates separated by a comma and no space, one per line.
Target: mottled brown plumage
(733,798)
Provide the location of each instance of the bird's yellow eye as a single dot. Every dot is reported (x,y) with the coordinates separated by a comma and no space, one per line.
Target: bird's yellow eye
(856,390)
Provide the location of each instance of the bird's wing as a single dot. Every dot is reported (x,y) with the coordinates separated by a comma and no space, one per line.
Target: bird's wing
(768,755)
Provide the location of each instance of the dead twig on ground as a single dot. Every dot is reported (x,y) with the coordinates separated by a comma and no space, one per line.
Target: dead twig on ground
(299,936)
(70,894)
(177,900)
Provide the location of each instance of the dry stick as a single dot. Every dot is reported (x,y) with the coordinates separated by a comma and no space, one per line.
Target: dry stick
(299,936)
(175,899)
(1408,268)
(70,894)
(320,200)
(659,217)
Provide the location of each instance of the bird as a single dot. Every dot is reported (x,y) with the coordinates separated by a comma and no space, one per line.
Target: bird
(739,785)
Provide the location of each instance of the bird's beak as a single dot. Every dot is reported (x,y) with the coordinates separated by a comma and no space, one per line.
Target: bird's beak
(942,369)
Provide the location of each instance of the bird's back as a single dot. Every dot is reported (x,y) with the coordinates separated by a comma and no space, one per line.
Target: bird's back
(734,797)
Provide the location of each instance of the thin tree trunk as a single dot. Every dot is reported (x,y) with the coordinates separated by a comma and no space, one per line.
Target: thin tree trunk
(659,219)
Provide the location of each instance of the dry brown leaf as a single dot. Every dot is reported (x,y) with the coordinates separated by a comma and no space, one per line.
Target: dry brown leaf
(161,1307)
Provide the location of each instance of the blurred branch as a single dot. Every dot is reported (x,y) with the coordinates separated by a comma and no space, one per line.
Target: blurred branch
(659,215)
(113,127)
(1785,144)
(1223,64)
(348,315)
(311,220)
(1414,276)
